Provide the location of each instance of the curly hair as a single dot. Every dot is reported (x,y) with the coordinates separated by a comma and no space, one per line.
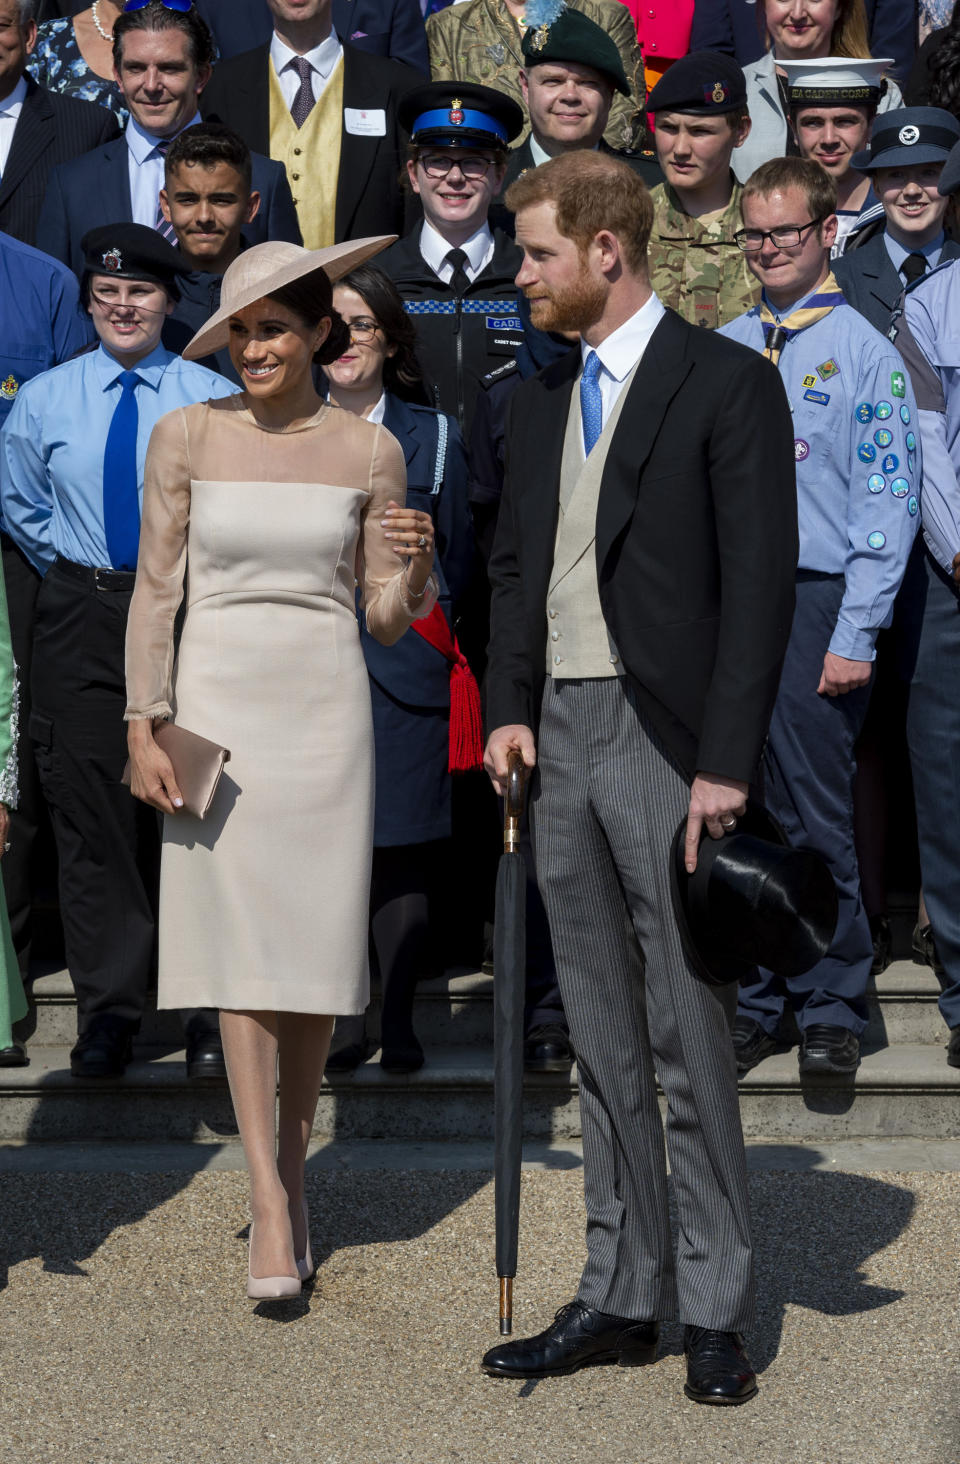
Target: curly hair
(944,67)
(401,371)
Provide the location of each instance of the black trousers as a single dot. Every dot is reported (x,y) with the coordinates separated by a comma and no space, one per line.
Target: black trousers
(108,842)
(22,583)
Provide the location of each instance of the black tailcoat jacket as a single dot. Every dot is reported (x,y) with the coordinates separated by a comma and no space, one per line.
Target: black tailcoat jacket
(696,546)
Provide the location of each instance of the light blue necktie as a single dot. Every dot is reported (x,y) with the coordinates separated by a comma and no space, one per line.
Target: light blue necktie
(591,402)
(121,486)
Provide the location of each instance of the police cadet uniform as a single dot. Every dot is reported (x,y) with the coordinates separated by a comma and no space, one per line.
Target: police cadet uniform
(695,265)
(73,451)
(40,325)
(464,307)
(858,475)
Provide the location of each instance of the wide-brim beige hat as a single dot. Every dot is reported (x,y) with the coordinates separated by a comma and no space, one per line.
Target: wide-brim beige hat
(266,268)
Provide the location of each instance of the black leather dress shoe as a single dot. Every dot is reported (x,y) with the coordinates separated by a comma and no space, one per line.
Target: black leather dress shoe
(924,949)
(751,1044)
(577,1337)
(882,944)
(347,1059)
(953,1048)
(104,1049)
(718,1369)
(15,1055)
(547,1049)
(828,1049)
(401,1054)
(205,1057)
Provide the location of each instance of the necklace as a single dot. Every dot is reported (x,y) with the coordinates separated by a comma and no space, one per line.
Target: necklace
(94,15)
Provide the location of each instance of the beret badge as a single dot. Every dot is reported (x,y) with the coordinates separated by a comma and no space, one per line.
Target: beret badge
(112,261)
(717,93)
(540,16)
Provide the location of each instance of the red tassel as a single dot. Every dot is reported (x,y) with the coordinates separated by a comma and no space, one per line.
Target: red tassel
(466,719)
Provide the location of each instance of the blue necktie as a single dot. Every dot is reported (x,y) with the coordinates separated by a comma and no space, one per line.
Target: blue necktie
(121,487)
(591,402)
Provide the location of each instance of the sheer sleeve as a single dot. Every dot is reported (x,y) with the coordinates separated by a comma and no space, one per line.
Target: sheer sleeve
(389,606)
(160,570)
(9,710)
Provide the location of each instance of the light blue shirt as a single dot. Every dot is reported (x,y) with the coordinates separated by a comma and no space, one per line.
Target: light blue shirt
(898,252)
(145,166)
(53,442)
(858,463)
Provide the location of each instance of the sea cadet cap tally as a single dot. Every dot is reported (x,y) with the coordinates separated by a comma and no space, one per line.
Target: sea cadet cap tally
(132,252)
(703,84)
(460,114)
(557,32)
(908,136)
(835,79)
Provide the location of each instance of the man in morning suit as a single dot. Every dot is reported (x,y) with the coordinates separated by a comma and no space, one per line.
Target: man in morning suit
(642,593)
(162,60)
(329,113)
(381,27)
(38,129)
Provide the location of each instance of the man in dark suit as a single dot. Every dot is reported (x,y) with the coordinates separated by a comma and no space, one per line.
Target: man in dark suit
(163,61)
(642,596)
(904,161)
(38,129)
(305,67)
(391,28)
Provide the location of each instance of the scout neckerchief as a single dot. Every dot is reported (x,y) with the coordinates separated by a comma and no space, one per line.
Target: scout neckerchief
(776,333)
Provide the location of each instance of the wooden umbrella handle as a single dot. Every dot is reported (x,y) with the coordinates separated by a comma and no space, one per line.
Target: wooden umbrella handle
(514,800)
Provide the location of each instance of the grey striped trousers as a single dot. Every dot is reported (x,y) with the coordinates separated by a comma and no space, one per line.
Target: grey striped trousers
(606,805)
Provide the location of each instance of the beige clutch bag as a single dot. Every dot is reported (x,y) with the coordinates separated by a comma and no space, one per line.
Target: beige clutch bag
(197,765)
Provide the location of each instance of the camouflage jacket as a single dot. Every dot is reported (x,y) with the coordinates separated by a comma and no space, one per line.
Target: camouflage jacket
(697,269)
(479,40)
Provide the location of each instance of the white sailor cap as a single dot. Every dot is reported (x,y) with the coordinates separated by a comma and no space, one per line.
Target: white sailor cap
(835,79)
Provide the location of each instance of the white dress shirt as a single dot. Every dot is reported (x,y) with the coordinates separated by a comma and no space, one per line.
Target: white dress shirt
(9,116)
(541,156)
(434,250)
(322,59)
(376,412)
(145,166)
(621,350)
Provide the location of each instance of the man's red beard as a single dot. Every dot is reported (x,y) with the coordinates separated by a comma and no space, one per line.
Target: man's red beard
(575,307)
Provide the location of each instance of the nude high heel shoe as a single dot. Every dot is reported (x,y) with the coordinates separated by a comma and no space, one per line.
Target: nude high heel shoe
(271,1288)
(305,1262)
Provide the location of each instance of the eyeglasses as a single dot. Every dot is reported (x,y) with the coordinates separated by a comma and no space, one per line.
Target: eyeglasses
(181,5)
(751,240)
(435,165)
(363,330)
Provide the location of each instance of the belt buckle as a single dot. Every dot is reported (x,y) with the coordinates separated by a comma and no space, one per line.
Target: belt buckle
(96,578)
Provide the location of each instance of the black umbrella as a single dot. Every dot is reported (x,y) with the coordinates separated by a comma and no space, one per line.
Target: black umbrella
(509,967)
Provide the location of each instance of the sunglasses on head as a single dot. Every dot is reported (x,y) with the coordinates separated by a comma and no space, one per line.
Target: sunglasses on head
(181,5)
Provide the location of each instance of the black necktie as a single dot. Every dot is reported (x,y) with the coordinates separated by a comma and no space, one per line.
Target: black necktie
(460,280)
(913,267)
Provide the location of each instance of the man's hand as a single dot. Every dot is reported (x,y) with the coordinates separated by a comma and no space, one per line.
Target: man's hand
(716,803)
(502,742)
(840,675)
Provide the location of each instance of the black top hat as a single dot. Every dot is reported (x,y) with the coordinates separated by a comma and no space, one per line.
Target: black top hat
(460,114)
(752,901)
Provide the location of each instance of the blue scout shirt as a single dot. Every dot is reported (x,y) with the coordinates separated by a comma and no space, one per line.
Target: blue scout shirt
(41,321)
(928,337)
(854,420)
(52,447)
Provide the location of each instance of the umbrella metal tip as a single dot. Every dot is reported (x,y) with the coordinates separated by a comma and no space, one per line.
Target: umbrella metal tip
(506,1326)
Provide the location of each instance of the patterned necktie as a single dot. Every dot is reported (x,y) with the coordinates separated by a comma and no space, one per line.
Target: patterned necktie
(913,267)
(304,102)
(460,280)
(162,226)
(776,333)
(591,402)
(121,486)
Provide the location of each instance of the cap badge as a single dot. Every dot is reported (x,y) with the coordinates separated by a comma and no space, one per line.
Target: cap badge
(456,112)
(540,15)
(909,135)
(112,261)
(716,93)
(9,388)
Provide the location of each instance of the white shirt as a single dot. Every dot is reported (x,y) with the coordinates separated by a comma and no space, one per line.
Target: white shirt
(434,250)
(376,412)
(9,116)
(322,59)
(621,350)
(539,156)
(145,166)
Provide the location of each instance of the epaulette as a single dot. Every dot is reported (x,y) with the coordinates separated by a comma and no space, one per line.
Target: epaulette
(498,373)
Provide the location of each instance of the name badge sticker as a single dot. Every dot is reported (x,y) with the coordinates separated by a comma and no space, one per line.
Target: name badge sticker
(365,123)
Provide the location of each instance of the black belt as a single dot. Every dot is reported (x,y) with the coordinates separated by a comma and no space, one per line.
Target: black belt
(98,579)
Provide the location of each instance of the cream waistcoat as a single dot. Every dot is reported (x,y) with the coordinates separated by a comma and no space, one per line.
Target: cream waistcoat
(311,156)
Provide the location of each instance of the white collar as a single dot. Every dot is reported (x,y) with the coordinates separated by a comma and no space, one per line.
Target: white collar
(10,106)
(143,144)
(540,156)
(322,58)
(434,248)
(378,409)
(623,347)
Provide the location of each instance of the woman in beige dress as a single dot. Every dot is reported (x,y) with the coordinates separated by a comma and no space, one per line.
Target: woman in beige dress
(269,507)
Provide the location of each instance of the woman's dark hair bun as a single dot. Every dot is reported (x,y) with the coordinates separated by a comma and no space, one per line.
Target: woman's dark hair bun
(311,298)
(338,340)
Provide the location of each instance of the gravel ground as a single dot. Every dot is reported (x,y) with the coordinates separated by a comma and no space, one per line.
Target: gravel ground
(127,1338)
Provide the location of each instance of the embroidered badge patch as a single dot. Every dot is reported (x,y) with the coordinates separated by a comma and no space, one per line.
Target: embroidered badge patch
(898,384)
(883,437)
(801,449)
(904,414)
(828,369)
(912,507)
(876,483)
(876,540)
(899,487)
(9,388)
(809,381)
(882,411)
(820,397)
(890,463)
(864,413)
(866,452)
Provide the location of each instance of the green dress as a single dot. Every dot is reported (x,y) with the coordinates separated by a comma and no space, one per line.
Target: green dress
(13,1003)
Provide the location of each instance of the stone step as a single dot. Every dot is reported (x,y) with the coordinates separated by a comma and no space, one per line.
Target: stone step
(456,1010)
(906,1090)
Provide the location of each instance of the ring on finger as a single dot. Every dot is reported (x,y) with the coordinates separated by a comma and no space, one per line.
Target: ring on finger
(728,823)
(422,542)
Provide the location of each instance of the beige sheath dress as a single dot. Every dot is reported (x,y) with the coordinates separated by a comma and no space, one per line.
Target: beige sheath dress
(264,904)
